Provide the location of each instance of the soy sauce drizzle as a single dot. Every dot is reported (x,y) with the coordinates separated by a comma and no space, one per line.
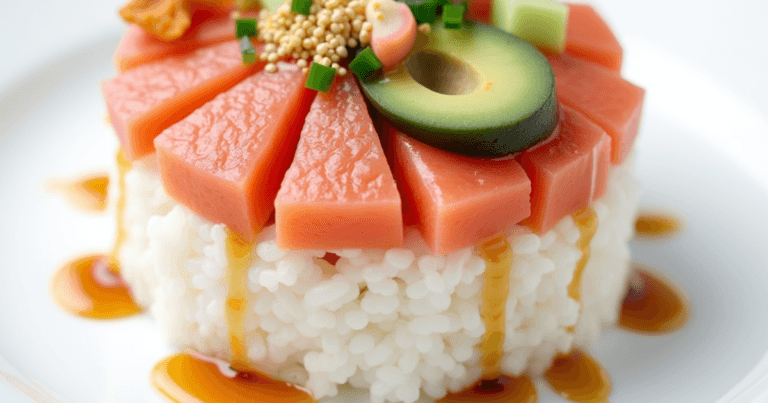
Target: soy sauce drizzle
(503,389)
(88,287)
(656,225)
(239,257)
(88,193)
(586,221)
(497,253)
(182,378)
(578,377)
(653,305)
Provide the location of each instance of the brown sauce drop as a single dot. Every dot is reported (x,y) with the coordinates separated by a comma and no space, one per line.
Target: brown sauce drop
(586,221)
(497,253)
(579,378)
(123,166)
(88,193)
(183,378)
(654,225)
(503,389)
(653,305)
(88,287)
(239,257)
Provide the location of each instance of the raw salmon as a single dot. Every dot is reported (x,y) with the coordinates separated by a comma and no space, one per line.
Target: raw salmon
(339,191)
(567,171)
(138,47)
(148,99)
(458,200)
(225,161)
(589,37)
(607,99)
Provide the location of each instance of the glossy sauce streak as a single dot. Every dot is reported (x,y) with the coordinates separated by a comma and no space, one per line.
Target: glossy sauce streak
(656,225)
(653,305)
(497,253)
(88,193)
(123,166)
(183,378)
(579,378)
(239,257)
(501,390)
(88,287)
(586,221)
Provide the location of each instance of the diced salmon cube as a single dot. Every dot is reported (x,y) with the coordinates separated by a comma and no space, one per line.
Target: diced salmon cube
(148,99)
(589,37)
(339,191)
(225,161)
(458,200)
(567,171)
(603,96)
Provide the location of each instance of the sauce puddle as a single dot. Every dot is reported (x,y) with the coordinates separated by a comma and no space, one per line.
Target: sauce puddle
(578,377)
(654,225)
(88,287)
(88,193)
(182,378)
(653,305)
(503,389)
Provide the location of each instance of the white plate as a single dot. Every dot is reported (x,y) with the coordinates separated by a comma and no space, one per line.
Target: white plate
(52,126)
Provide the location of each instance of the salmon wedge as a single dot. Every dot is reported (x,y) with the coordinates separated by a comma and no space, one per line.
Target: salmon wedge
(603,96)
(457,200)
(138,47)
(339,192)
(148,99)
(567,171)
(589,37)
(225,161)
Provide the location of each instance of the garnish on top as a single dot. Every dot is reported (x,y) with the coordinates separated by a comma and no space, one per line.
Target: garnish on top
(165,19)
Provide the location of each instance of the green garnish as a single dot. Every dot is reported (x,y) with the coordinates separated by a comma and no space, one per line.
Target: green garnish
(301,6)
(320,77)
(423,10)
(247,50)
(453,16)
(365,65)
(245,27)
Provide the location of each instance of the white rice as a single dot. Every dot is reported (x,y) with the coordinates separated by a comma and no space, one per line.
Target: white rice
(397,322)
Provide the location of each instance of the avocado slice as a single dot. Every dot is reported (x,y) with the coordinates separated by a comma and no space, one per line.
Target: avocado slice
(476,91)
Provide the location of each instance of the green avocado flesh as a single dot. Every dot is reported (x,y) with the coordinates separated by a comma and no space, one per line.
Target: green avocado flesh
(476,91)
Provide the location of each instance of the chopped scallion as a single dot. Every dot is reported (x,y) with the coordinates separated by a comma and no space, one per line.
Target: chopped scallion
(247,50)
(301,6)
(453,16)
(365,65)
(320,77)
(245,27)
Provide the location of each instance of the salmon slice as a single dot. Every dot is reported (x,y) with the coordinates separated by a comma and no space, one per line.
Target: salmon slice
(480,11)
(138,47)
(148,99)
(225,161)
(589,37)
(607,99)
(339,191)
(457,200)
(567,171)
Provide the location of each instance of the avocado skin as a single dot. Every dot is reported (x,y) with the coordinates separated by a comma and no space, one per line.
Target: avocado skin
(494,142)
(497,137)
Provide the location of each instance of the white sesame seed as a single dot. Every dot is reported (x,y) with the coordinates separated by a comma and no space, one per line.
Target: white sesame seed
(270,68)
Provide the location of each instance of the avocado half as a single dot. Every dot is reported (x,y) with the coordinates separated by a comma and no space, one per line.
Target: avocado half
(476,91)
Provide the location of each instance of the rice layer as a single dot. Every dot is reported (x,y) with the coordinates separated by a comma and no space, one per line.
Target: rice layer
(396,321)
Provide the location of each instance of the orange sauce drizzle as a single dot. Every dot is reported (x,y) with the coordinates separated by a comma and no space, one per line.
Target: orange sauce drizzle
(239,257)
(88,287)
(653,225)
(653,305)
(88,193)
(123,166)
(503,389)
(497,253)
(586,220)
(183,378)
(579,378)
